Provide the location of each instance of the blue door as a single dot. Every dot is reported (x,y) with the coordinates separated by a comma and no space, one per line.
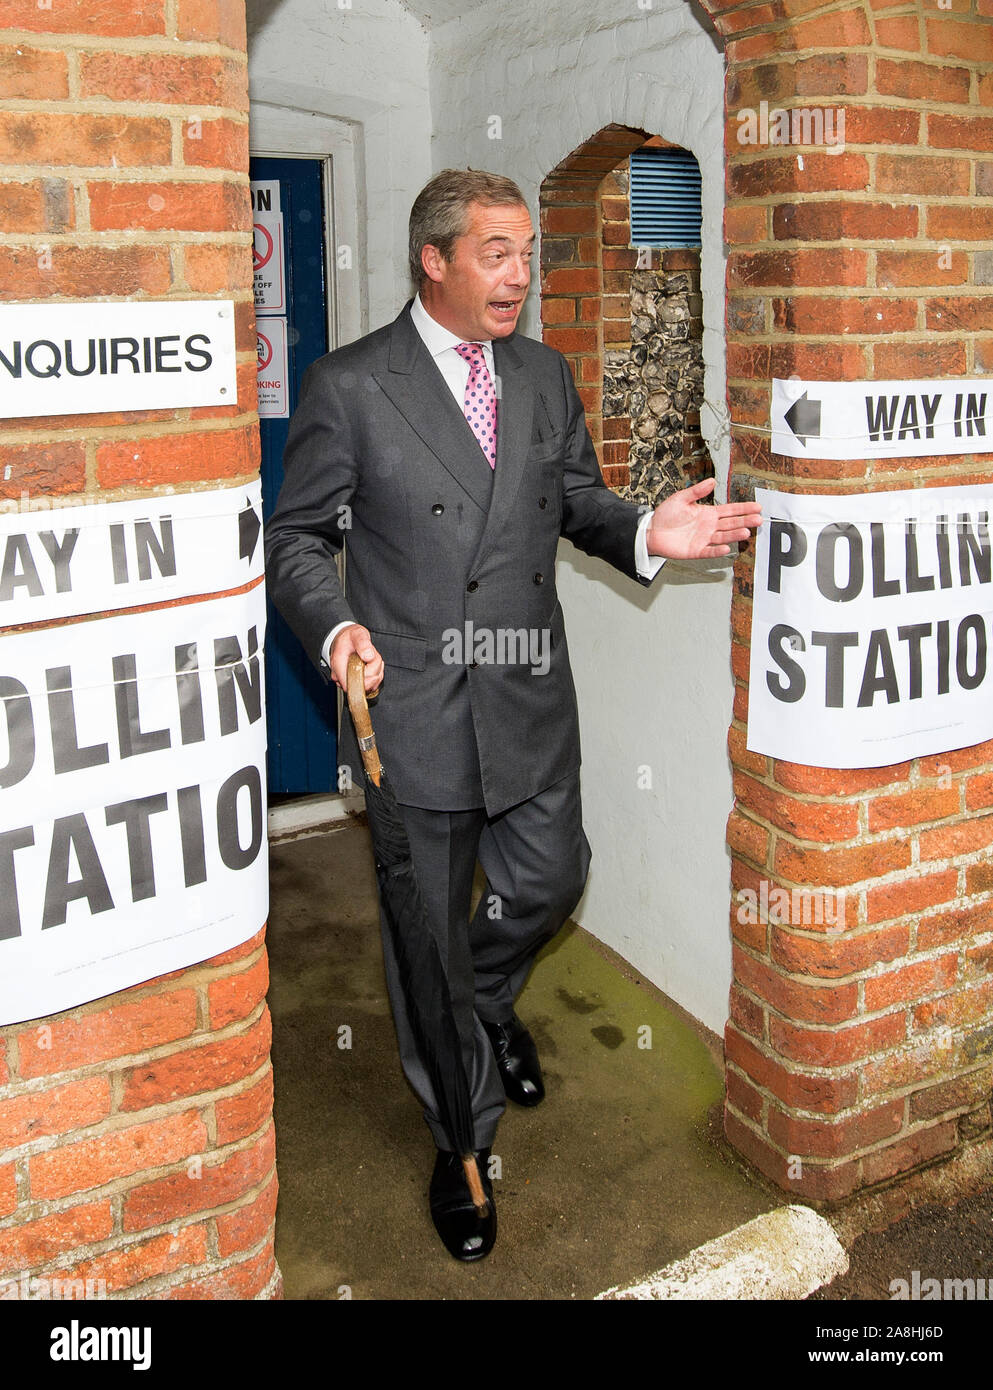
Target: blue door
(291,294)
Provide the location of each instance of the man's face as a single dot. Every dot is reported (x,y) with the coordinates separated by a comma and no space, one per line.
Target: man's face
(478,294)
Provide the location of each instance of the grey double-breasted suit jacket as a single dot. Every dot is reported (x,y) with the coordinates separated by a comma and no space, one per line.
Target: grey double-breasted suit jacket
(380,458)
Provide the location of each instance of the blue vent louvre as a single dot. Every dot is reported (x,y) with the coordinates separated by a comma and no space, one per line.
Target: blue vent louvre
(665,198)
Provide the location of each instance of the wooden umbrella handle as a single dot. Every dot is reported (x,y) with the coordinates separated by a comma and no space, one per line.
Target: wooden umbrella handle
(359,709)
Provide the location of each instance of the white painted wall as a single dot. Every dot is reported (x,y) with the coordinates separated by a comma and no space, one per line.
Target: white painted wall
(652,668)
(365,66)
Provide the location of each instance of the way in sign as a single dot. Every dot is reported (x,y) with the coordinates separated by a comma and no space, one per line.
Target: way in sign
(906,415)
(39,563)
(881,419)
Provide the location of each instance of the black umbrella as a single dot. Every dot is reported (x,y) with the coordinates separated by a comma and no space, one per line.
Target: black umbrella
(425,985)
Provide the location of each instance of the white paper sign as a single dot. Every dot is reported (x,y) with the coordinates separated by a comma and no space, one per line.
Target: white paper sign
(268,249)
(81,359)
(882,419)
(132,814)
(871,626)
(70,560)
(273,369)
(265,195)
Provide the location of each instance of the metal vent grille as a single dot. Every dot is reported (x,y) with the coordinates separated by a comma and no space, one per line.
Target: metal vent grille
(665,198)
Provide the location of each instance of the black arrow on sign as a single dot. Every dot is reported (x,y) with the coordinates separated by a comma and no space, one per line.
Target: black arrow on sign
(804,418)
(249,527)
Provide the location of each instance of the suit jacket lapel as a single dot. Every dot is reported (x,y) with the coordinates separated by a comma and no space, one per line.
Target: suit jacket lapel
(418,390)
(515,412)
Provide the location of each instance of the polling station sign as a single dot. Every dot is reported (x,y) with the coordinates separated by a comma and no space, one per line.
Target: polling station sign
(871,626)
(881,419)
(65,561)
(84,358)
(132,814)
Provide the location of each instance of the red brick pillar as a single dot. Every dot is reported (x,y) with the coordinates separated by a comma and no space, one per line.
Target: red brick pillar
(856,1055)
(136,1138)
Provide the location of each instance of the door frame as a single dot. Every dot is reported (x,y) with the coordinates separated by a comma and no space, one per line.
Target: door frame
(292,133)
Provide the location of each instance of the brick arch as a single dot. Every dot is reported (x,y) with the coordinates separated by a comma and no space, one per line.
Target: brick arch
(573,266)
(778,26)
(589,288)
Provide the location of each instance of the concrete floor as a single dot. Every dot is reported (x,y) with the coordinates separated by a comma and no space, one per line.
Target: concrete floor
(621,1169)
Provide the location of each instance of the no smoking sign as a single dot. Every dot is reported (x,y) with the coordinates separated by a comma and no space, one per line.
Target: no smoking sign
(272,368)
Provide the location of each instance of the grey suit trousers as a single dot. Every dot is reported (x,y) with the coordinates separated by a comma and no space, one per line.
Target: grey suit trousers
(535,857)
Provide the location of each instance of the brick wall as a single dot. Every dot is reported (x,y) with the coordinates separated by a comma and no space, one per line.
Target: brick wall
(136,1140)
(859,1054)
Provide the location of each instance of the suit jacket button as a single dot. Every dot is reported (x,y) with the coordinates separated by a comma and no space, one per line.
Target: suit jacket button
(473,585)
(542,502)
(437,509)
(539,578)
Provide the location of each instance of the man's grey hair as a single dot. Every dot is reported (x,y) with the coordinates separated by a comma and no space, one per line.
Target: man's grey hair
(441,210)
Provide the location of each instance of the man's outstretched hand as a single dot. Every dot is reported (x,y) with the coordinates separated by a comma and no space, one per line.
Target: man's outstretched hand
(684,529)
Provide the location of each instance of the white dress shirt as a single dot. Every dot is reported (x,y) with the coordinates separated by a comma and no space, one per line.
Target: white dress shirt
(441,344)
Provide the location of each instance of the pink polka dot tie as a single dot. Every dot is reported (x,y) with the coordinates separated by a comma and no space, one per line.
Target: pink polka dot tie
(480,405)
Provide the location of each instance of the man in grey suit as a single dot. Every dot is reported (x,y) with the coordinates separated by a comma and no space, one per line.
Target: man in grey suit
(449,454)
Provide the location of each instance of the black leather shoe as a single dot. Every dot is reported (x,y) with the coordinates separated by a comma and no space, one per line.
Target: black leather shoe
(466,1235)
(517,1060)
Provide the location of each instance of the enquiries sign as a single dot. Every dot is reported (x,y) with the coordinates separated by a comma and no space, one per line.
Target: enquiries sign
(77,359)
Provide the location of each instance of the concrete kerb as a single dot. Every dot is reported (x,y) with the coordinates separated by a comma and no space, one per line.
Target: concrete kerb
(782,1254)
